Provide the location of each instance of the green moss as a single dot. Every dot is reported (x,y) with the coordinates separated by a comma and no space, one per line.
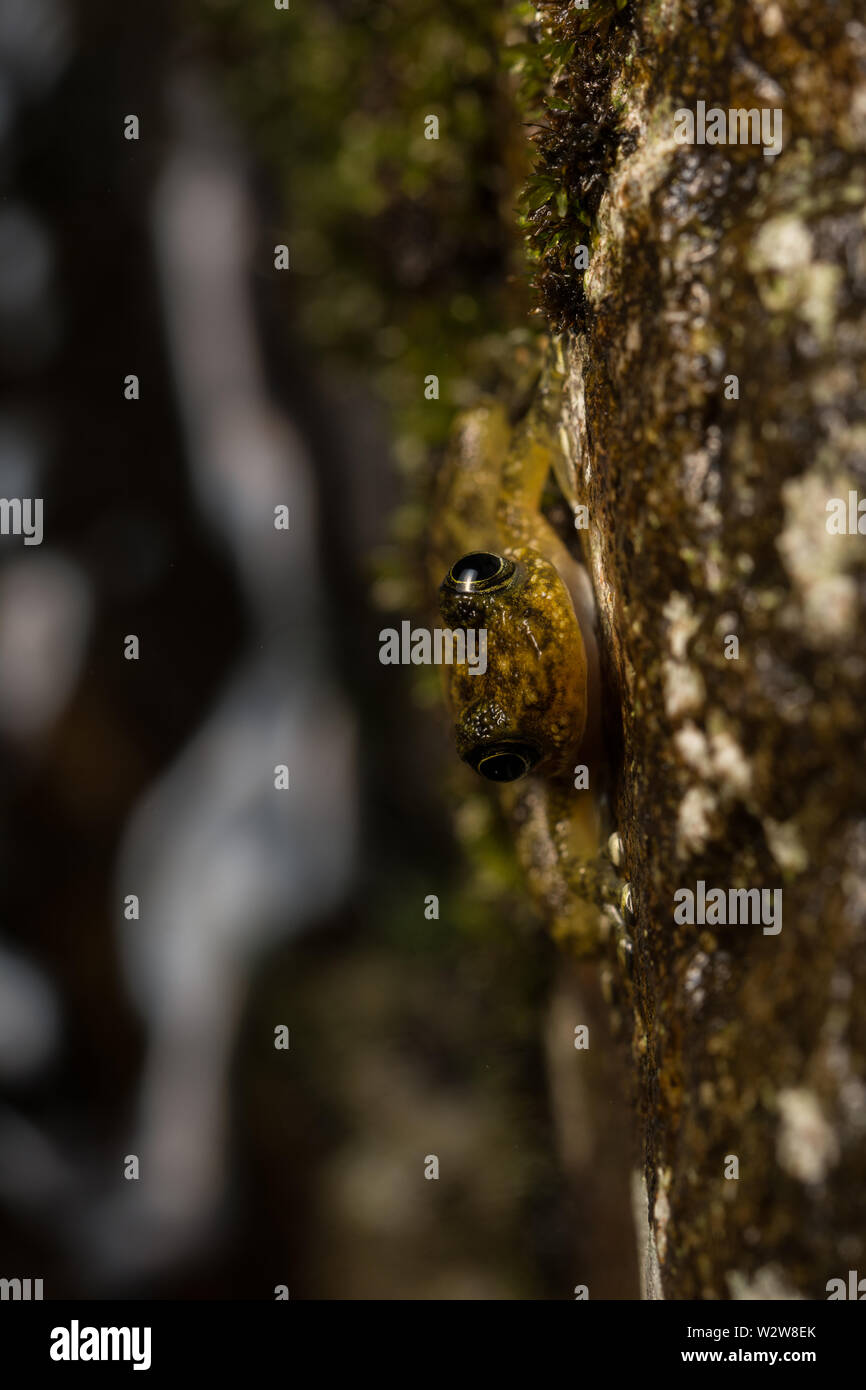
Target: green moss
(566,68)
(401,253)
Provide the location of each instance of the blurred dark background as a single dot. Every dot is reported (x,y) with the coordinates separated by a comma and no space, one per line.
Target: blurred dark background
(152,1035)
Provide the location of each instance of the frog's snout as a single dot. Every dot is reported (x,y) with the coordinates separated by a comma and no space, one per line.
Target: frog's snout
(503,762)
(525,710)
(484,576)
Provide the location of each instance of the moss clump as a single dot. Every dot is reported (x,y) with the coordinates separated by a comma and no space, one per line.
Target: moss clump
(566,66)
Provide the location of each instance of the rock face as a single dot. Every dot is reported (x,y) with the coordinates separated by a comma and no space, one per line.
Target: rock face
(715,407)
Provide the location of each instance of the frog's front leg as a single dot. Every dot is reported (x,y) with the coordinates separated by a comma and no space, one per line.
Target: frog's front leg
(562,848)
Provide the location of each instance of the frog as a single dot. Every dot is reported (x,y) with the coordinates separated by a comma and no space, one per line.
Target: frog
(531,724)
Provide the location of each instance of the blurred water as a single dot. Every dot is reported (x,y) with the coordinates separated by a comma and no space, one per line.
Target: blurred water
(225,865)
(45,612)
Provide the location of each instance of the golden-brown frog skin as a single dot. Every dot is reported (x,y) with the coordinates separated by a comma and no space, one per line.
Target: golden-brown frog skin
(532,718)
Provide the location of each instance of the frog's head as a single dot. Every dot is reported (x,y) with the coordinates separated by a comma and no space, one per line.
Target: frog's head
(525,708)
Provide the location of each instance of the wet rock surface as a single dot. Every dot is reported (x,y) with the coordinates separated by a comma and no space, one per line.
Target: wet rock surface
(714,407)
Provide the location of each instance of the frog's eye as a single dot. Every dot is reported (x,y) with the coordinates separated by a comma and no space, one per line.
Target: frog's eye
(503,762)
(480,572)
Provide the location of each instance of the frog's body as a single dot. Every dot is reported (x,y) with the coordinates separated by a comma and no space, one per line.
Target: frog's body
(532,719)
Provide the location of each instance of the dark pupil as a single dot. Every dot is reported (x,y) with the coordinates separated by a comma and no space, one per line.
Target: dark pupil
(504,766)
(477,566)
